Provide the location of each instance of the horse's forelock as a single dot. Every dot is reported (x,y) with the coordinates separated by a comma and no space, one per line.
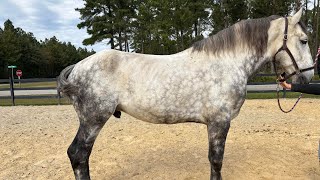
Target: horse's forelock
(253,33)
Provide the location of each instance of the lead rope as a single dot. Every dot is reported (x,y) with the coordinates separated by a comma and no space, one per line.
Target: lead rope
(278,91)
(300,96)
(278,97)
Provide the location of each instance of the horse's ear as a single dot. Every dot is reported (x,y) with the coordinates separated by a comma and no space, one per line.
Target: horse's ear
(296,18)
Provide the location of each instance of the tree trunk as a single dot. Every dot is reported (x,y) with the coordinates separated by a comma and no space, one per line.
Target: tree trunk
(142,47)
(314,14)
(222,9)
(298,5)
(306,13)
(120,40)
(112,41)
(126,49)
(182,41)
(196,21)
(317,30)
(274,5)
(111,31)
(196,28)
(177,35)
(128,46)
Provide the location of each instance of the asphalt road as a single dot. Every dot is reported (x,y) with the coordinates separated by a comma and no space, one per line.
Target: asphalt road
(29,92)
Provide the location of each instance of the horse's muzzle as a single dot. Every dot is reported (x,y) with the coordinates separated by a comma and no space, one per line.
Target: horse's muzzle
(302,78)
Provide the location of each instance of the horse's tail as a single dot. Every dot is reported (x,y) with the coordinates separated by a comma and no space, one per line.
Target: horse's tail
(64,85)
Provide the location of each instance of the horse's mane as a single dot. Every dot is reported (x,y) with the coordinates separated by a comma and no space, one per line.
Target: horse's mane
(253,33)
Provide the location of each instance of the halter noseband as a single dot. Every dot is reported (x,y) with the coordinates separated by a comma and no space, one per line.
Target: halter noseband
(284,47)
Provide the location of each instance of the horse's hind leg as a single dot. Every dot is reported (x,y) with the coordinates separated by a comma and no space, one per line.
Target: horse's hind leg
(81,147)
(217,132)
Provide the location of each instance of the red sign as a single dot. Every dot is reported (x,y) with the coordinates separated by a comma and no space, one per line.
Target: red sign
(19,73)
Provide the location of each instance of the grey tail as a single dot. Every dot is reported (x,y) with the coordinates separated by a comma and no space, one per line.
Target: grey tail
(64,85)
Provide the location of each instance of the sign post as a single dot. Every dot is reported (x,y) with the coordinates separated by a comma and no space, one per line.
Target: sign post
(12,84)
(19,74)
(12,67)
(12,92)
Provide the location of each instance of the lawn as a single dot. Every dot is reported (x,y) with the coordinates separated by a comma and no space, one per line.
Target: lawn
(35,102)
(50,84)
(273,95)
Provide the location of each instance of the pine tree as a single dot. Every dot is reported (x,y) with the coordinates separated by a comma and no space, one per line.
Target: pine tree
(107,20)
(98,18)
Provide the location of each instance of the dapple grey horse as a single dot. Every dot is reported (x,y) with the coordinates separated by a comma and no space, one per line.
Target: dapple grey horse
(204,84)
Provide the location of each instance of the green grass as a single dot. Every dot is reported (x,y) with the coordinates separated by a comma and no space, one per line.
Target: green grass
(272,79)
(274,95)
(51,84)
(36,102)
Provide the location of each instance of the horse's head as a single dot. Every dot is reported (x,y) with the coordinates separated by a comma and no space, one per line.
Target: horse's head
(289,45)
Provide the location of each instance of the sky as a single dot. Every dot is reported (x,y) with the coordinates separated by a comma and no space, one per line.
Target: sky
(48,18)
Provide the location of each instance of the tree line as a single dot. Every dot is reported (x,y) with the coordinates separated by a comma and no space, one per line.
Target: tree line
(35,58)
(170,26)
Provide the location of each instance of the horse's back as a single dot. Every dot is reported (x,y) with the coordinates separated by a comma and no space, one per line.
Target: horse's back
(111,71)
(111,61)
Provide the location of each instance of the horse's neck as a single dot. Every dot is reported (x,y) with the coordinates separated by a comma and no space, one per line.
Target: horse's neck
(242,64)
(245,64)
(253,64)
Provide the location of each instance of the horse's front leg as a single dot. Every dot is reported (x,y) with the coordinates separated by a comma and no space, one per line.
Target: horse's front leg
(218,128)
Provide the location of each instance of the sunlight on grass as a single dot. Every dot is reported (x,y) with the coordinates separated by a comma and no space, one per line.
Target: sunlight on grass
(36,102)
(51,84)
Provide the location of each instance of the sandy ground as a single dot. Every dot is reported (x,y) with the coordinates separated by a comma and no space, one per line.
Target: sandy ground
(263,143)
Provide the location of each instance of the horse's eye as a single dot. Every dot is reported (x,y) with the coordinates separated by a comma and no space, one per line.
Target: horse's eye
(304,41)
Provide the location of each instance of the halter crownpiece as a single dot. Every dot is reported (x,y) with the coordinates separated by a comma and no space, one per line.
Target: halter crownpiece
(284,47)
